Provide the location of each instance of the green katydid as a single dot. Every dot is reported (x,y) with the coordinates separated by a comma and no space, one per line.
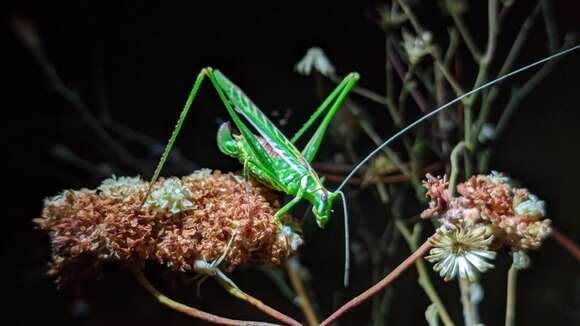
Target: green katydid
(271,157)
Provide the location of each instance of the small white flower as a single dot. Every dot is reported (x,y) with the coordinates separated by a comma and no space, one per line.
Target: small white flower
(57,199)
(121,187)
(520,259)
(170,197)
(498,177)
(317,60)
(202,173)
(416,47)
(486,133)
(532,207)
(461,252)
(292,238)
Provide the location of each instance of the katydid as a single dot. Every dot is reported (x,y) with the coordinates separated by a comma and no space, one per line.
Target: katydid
(271,157)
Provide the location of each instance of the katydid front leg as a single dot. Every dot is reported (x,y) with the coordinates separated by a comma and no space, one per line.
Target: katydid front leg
(284,209)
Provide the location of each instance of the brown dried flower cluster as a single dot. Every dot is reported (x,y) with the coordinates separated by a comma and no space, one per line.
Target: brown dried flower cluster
(184,220)
(513,216)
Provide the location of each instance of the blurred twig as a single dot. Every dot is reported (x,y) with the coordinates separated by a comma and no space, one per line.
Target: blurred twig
(510,314)
(292,266)
(393,275)
(190,311)
(424,279)
(566,243)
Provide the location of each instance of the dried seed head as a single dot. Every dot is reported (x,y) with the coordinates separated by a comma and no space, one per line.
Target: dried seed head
(515,216)
(512,217)
(188,219)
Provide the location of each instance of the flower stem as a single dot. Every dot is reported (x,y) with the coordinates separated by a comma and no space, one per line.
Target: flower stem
(510,313)
(460,147)
(419,30)
(424,279)
(238,293)
(190,311)
(468,308)
(566,243)
(380,285)
(303,301)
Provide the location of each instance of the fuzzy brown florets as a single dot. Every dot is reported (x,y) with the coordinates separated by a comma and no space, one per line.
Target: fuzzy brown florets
(183,220)
(514,216)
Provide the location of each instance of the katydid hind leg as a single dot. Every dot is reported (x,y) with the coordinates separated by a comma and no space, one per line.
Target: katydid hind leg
(334,100)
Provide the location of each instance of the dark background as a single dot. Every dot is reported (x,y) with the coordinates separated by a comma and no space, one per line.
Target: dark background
(139,59)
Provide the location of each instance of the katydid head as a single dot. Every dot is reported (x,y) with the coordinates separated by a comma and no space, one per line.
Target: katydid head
(322,208)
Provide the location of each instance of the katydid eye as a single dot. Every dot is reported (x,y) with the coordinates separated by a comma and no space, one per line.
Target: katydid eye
(323,197)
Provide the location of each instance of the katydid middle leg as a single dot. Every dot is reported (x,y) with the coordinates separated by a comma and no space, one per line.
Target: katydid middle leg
(280,213)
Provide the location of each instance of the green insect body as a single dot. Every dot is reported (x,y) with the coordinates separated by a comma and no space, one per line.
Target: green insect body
(282,173)
(269,156)
(283,168)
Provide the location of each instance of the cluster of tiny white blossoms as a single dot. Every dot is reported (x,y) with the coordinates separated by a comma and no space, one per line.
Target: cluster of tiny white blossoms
(488,213)
(287,234)
(121,187)
(171,197)
(316,60)
(416,46)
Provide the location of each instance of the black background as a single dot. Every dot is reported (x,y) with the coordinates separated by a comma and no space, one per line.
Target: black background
(145,54)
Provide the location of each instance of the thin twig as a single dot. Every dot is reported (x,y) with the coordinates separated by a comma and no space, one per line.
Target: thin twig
(190,311)
(567,243)
(465,34)
(512,281)
(520,93)
(238,293)
(382,179)
(375,97)
(303,301)
(517,46)
(468,308)
(424,279)
(380,285)
(401,72)
(459,148)
(419,30)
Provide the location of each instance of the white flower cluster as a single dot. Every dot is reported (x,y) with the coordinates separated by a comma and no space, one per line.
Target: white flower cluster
(416,46)
(533,206)
(171,197)
(121,187)
(488,209)
(317,60)
(292,238)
